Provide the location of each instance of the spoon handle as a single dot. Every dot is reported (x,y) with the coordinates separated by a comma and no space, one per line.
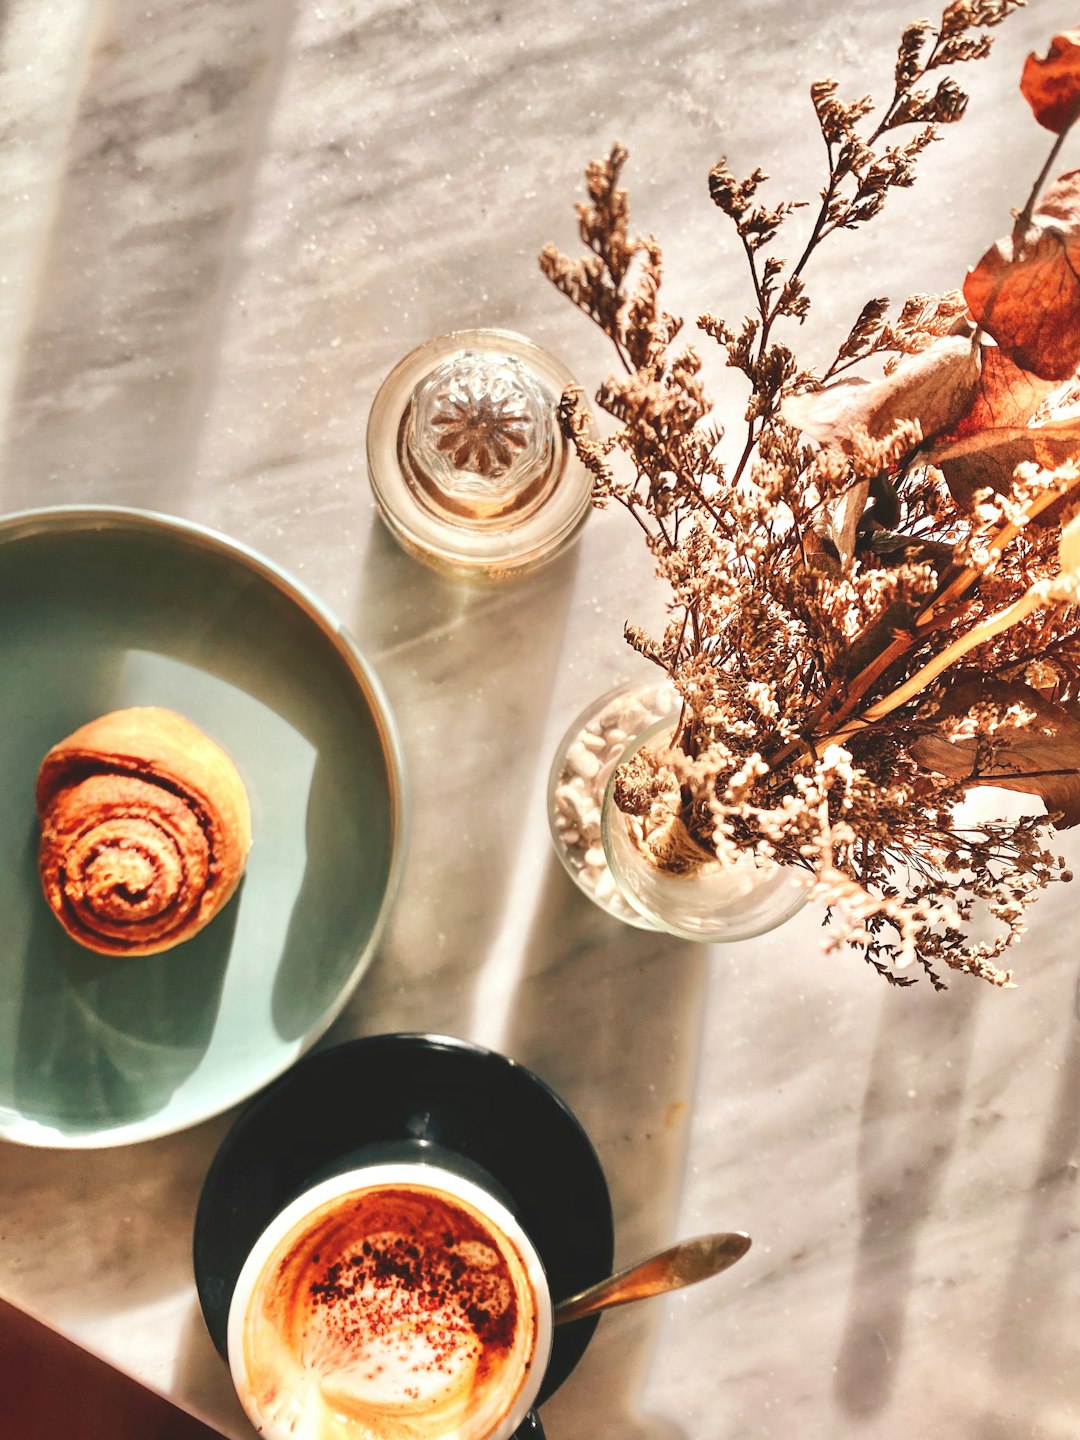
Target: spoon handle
(684,1264)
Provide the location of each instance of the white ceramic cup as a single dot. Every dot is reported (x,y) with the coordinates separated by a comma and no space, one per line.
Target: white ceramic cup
(297,1411)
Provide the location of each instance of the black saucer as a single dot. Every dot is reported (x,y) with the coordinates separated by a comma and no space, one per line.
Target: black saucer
(487,1108)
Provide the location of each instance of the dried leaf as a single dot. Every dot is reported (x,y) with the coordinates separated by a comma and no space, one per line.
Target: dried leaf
(1015,417)
(934,388)
(1034,746)
(1025,291)
(1005,396)
(844,515)
(1051,82)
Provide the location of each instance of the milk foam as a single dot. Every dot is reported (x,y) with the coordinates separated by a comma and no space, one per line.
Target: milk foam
(389,1313)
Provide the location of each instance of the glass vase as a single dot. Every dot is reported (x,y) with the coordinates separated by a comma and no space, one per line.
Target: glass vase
(584,761)
(716,901)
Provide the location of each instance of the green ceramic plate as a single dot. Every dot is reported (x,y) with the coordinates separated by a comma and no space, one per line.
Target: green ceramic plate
(104,608)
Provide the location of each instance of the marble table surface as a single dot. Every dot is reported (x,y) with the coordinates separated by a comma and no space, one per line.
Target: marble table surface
(221,223)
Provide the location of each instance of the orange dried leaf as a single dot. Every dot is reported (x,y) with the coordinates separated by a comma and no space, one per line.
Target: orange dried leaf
(1034,746)
(1005,396)
(1015,417)
(1051,82)
(1026,292)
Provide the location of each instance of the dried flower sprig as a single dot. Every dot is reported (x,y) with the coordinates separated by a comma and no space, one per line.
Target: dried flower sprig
(874,604)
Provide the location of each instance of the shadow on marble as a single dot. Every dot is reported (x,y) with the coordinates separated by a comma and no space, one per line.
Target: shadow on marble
(468,669)
(428,605)
(909,1126)
(1035,1324)
(151,203)
(620,1042)
(100,1233)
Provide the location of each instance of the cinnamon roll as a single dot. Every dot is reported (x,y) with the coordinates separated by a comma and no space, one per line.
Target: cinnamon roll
(145,831)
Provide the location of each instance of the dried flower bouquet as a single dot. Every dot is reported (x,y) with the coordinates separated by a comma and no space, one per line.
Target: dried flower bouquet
(875,599)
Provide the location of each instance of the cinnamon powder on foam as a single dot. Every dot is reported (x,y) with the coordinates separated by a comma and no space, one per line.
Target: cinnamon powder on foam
(403,1306)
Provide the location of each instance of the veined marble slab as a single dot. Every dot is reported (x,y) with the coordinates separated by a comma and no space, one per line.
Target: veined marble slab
(222,222)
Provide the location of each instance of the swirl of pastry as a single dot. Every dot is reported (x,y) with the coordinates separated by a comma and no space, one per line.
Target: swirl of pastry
(145,831)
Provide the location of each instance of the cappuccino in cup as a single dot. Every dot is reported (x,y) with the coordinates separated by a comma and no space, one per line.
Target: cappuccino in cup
(396,1302)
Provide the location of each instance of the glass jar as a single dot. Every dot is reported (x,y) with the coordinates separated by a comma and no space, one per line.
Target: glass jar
(468,464)
(716,901)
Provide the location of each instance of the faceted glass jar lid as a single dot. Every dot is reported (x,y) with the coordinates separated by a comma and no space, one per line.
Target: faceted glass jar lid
(465,455)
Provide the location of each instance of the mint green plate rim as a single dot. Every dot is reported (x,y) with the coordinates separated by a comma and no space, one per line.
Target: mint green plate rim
(21,524)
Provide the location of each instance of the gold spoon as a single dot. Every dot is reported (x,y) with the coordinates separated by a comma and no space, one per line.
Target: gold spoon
(684,1264)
